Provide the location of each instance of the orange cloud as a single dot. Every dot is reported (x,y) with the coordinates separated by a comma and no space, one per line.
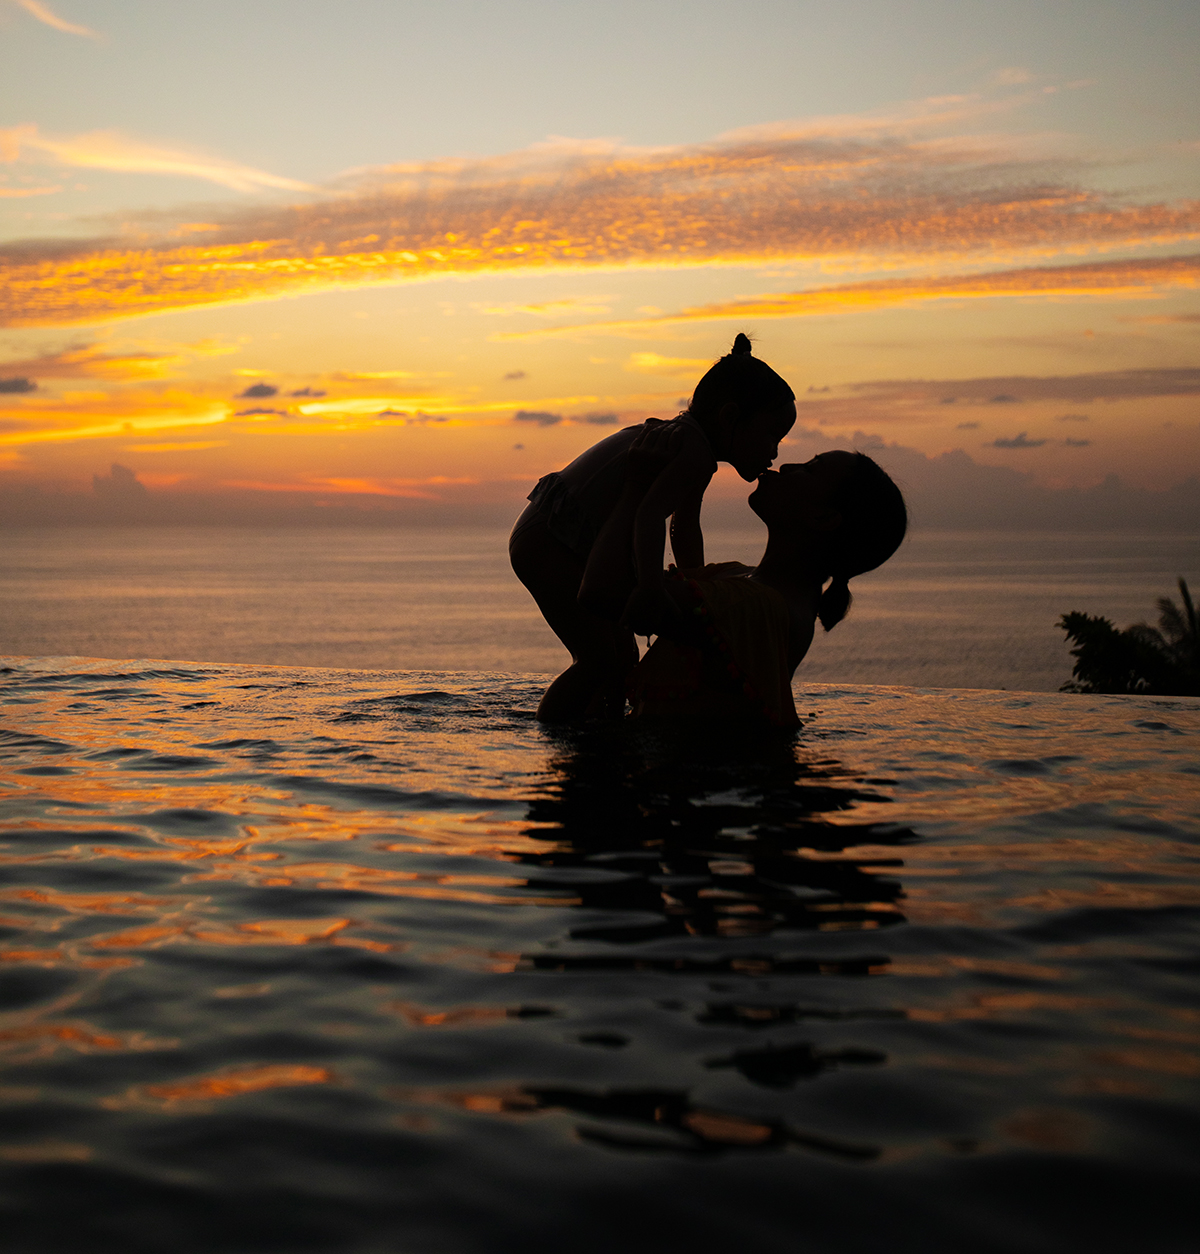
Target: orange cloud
(419,406)
(1121,279)
(652,363)
(110,150)
(193,446)
(547,308)
(771,194)
(942,400)
(46,15)
(96,415)
(413,489)
(89,361)
(1106,385)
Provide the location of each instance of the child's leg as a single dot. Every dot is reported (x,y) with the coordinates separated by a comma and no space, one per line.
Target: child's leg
(593,686)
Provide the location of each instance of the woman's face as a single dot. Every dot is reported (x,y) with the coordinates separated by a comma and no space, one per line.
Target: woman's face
(754,444)
(801,495)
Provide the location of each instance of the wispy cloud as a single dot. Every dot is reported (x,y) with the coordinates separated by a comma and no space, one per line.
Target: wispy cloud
(96,416)
(91,361)
(825,193)
(21,193)
(110,150)
(413,489)
(1007,399)
(1164,319)
(45,14)
(652,363)
(546,308)
(1121,279)
(179,446)
(1107,385)
(1017,441)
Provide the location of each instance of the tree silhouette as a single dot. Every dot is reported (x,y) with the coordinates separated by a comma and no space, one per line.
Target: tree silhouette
(1162,660)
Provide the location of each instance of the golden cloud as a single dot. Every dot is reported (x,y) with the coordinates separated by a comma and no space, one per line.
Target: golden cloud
(765,195)
(96,415)
(652,363)
(547,308)
(46,15)
(1104,385)
(92,361)
(923,400)
(1121,279)
(19,193)
(177,447)
(110,150)
(410,489)
(87,361)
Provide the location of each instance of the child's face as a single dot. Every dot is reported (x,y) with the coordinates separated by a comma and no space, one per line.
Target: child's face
(754,444)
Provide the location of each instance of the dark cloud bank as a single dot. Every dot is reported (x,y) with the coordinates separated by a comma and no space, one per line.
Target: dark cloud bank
(949,492)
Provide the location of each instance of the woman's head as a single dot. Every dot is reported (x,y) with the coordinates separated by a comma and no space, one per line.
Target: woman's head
(845,514)
(745,409)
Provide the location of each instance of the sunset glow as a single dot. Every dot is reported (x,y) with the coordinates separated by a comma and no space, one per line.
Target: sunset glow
(438,328)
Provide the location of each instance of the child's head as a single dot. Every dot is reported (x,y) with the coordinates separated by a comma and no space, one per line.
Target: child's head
(745,409)
(843,511)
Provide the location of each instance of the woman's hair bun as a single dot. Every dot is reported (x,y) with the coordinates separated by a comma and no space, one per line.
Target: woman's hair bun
(741,344)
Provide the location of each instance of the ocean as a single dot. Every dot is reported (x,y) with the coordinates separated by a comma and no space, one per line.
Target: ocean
(359,958)
(952,609)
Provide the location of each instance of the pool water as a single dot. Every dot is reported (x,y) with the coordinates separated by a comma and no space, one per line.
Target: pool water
(301,959)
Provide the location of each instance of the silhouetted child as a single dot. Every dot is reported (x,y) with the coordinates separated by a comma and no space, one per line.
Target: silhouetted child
(739,412)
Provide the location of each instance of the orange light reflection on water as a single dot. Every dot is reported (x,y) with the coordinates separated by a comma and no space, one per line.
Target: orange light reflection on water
(224,1084)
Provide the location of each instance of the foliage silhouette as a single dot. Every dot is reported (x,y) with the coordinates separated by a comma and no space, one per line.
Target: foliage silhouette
(1161,661)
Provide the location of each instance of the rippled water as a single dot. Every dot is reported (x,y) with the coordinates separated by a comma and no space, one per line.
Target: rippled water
(347,961)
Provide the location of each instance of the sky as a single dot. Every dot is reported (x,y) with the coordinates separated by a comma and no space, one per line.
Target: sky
(417,256)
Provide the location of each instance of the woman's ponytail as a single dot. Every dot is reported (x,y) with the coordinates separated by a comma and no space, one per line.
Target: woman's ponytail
(834,602)
(874,522)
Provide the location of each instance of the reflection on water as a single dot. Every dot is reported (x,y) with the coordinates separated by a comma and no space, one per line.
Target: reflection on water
(299,959)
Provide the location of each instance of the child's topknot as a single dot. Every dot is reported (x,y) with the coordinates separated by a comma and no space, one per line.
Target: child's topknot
(742,379)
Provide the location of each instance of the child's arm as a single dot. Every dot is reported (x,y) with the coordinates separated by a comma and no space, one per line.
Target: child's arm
(610,576)
(687,540)
(682,481)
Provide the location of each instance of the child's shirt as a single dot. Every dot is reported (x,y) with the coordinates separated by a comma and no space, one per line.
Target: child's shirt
(576,501)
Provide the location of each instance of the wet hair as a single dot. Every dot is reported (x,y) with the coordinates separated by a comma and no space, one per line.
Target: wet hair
(874,522)
(742,379)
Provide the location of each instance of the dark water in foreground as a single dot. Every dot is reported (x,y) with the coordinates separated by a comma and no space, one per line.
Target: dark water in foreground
(343,961)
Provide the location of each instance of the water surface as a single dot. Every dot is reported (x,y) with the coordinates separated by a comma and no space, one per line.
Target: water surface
(301,959)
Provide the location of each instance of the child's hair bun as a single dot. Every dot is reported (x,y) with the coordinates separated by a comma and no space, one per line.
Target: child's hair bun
(741,344)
